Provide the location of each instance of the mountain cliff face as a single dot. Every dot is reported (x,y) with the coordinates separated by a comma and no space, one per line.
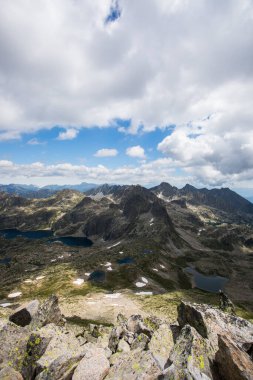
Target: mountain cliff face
(222,199)
(129,212)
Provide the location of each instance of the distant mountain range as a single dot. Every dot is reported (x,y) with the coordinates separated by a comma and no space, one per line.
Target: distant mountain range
(223,199)
(30,191)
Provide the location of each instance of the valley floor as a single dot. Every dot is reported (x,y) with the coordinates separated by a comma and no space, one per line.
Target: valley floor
(131,272)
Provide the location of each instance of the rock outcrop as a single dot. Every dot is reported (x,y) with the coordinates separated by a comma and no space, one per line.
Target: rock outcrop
(25,313)
(206,344)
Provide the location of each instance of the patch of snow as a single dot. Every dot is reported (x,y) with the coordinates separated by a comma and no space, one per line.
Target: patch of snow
(110,268)
(78,281)
(40,277)
(151,220)
(108,264)
(6,304)
(87,274)
(28,281)
(14,295)
(151,224)
(162,266)
(53,260)
(121,252)
(143,279)
(113,295)
(144,293)
(156,270)
(114,245)
(60,257)
(140,284)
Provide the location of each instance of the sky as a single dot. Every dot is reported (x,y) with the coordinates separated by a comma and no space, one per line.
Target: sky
(124,92)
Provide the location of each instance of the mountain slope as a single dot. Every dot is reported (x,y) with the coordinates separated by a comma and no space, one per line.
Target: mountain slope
(222,199)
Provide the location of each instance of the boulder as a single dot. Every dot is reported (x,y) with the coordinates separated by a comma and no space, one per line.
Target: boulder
(233,363)
(189,357)
(123,346)
(115,336)
(136,325)
(48,312)
(210,322)
(161,344)
(13,341)
(9,373)
(94,365)
(140,342)
(52,353)
(134,365)
(24,314)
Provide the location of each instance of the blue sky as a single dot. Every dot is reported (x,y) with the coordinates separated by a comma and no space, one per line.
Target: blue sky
(89,88)
(45,146)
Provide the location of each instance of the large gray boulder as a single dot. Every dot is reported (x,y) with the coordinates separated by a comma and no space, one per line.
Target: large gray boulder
(136,325)
(13,342)
(9,373)
(211,322)
(233,363)
(24,314)
(161,344)
(189,357)
(48,312)
(135,365)
(94,365)
(52,353)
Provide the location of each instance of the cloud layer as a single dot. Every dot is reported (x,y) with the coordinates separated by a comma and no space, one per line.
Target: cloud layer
(157,63)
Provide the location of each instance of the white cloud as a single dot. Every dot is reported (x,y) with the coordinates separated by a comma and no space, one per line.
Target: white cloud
(152,172)
(106,153)
(136,151)
(62,65)
(35,141)
(69,134)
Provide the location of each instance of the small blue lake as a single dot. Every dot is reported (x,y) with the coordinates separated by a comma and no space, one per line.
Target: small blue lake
(147,251)
(97,276)
(208,283)
(72,241)
(125,260)
(5,261)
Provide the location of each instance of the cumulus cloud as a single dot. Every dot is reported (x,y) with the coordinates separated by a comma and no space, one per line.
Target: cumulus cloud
(69,134)
(35,141)
(136,151)
(106,153)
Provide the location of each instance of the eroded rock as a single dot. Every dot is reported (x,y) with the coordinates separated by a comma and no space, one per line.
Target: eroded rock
(13,341)
(52,353)
(23,315)
(161,344)
(94,365)
(233,363)
(135,365)
(9,373)
(48,312)
(210,322)
(189,357)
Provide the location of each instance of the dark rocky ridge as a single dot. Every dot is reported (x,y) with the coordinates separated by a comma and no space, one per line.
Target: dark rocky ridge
(222,199)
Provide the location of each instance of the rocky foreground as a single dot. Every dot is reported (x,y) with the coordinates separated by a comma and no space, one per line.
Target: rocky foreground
(38,343)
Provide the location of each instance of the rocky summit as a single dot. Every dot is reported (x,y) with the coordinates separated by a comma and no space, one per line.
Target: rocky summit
(37,342)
